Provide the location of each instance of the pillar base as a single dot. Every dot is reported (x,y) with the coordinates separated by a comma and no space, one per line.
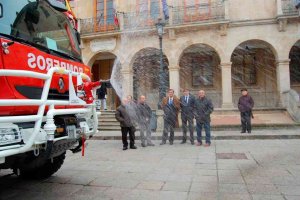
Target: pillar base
(227,105)
(160,120)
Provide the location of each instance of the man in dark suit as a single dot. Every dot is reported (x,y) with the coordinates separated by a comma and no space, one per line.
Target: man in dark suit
(126,124)
(187,103)
(171,107)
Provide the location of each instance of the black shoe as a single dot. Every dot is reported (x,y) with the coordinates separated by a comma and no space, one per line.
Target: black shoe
(125,148)
(171,142)
(144,145)
(182,142)
(192,143)
(133,147)
(162,143)
(150,144)
(249,132)
(243,131)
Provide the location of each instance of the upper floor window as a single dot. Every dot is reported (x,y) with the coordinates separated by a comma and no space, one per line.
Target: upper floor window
(105,14)
(195,10)
(149,10)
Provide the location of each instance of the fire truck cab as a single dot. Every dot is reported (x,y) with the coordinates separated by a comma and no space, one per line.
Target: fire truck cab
(41,69)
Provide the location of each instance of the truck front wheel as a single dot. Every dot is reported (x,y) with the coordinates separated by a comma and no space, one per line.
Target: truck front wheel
(44,171)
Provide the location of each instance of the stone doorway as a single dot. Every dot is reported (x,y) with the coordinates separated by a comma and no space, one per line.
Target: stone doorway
(102,70)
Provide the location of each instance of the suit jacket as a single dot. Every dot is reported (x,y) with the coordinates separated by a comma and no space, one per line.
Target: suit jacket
(171,111)
(187,108)
(203,108)
(123,117)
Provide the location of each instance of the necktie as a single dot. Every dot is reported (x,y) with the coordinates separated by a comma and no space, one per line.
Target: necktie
(170,101)
(186,99)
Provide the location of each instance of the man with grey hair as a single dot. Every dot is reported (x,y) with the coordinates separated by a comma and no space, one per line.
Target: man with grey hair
(126,124)
(203,109)
(144,114)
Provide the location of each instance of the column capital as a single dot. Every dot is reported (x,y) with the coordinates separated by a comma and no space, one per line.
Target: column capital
(283,62)
(176,68)
(126,71)
(226,65)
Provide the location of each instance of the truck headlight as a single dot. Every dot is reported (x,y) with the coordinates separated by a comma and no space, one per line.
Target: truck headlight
(9,136)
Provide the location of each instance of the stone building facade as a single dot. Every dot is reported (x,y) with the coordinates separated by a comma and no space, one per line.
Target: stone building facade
(220,46)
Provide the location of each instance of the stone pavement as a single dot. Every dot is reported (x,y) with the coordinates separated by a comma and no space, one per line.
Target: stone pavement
(228,169)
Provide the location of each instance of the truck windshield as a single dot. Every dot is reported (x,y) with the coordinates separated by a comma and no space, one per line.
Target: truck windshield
(37,22)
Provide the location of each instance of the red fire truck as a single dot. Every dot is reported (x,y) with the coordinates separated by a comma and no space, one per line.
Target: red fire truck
(41,79)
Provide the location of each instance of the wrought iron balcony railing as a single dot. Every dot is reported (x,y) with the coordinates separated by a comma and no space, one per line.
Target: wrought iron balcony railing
(213,11)
(193,14)
(289,7)
(101,24)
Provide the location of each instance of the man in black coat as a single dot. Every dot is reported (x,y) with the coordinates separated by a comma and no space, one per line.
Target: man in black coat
(144,113)
(203,109)
(126,125)
(101,94)
(245,106)
(187,103)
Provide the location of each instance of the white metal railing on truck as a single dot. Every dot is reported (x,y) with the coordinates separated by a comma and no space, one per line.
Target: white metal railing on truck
(42,103)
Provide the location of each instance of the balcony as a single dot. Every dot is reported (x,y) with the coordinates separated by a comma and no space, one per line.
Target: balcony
(288,7)
(180,15)
(194,15)
(102,24)
(201,13)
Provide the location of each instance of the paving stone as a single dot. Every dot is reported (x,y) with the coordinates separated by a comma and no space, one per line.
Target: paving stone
(267,197)
(202,196)
(233,188)
(263,189)
(181,186)
(289,190)
(226,196)
(150,185)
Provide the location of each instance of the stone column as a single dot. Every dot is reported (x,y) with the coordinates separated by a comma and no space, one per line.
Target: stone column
(226,85)
(283,76)
(226,9)
(174,79)
(279,8)
(160,121)
(127,82)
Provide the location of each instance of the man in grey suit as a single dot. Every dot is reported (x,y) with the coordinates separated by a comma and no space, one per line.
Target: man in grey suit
(187,103)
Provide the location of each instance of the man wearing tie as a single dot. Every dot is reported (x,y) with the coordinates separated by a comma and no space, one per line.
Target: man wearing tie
(187,103)
(171,107)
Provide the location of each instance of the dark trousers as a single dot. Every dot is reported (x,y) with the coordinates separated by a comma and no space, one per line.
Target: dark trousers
(207,132)
(125,131)
(169,125)
(246,121)
(187,119)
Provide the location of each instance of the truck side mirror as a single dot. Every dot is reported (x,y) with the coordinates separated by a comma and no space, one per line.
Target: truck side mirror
(1,10)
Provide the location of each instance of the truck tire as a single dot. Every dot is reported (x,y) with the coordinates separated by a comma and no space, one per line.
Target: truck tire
(45,170)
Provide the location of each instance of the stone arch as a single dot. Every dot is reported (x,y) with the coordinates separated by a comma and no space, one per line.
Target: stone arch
(101,54)
(254,67)
(209,43)
(200,69)
(145,65)
(102,64)
(242,41)
(294,66)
